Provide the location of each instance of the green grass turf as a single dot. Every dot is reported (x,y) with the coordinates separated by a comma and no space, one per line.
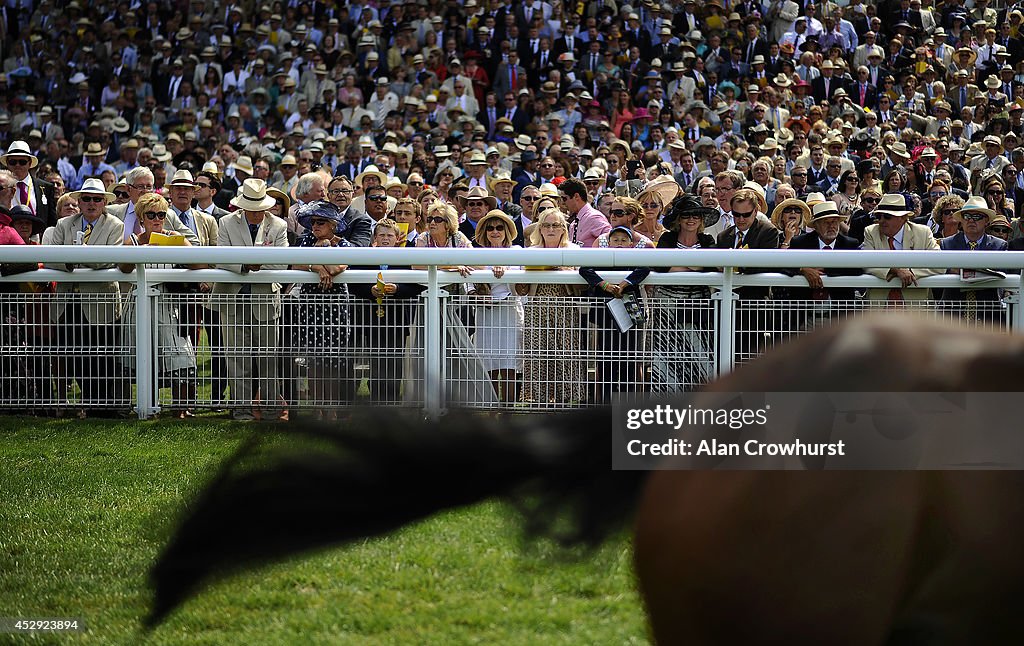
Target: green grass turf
(86,506)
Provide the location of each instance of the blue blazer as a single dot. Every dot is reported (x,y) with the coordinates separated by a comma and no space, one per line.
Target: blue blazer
(958,242)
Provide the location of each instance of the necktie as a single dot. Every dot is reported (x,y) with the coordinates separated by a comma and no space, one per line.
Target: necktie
(971,296)
(894,294)
(739,240)
(22,192)
(184,219)
(87,234)
(515,78)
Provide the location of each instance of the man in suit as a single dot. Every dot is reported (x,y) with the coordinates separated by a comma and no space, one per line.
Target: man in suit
(824,87)
(182,190)
(207,185)
(861,91)
(895,231)
(510,76)
(973,217)
(33,192)
(87,330)
(476,203)
(138,182)
(359,229)
(250,311)
(749,232)
(826,221)
(525,174)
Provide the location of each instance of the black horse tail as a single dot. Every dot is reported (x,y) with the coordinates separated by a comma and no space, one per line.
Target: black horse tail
(316,487)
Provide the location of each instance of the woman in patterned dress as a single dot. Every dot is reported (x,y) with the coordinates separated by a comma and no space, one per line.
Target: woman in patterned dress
(553,369)
(322,325)
(683,320)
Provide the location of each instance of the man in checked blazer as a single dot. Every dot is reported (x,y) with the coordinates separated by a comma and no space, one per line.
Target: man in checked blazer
(250,312)
(87,314)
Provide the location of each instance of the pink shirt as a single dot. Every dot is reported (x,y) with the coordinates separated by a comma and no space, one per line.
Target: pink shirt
(9,236)
(590,223)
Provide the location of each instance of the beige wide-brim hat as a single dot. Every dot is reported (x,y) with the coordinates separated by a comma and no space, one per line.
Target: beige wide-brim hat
(976,204)
(498,214)
(893,204)
(244,164)
(479,193)
(252,196)
(93,186)
(664,186)
(182,178)
(372,171)
(278,194)
(20,149)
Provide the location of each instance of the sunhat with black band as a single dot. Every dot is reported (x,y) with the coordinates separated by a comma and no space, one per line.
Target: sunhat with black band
(252,196)
(825,210)
(93,186)
(893,204)
(19,149)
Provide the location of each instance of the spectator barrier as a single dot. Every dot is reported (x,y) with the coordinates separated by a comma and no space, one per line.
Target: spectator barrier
(454,345)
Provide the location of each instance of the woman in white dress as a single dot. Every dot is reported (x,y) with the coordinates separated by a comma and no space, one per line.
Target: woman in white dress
(499,314)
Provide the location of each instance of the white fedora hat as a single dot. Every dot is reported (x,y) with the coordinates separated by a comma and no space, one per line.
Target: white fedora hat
(244,164)
(93,186)
(252,196)
(182,178)
(20,149)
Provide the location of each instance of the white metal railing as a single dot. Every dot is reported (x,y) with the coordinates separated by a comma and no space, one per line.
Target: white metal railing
(726,320)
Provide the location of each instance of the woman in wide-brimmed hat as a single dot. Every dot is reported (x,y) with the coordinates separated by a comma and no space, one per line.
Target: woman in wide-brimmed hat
(655,196)
(790,217)
(682,321)
(499,318)
(322,327)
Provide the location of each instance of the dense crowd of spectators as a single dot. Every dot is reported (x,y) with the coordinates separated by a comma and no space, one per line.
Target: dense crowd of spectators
(889,125)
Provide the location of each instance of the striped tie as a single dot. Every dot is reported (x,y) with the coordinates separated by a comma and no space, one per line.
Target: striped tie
(971,296)
(88,234)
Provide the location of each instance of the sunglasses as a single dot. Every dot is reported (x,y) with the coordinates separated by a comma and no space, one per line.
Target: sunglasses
(799,175)
(494,227)
(974,217)
(436,220)
(995,193)
(120,194)
(377,198)
(155,215)
(748,214)
(887,216)
(690,216)
(17,161)
(871,200)
(475,202)
(651,205)
(544,208)
(319,221)
(792,209)
(415,183)
(617,212)
(551,225)
(198,185)
(945,212)
(88,198)
(1000,230)
(527,198)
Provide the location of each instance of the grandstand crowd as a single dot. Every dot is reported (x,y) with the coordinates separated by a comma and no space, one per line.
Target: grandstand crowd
(680,125)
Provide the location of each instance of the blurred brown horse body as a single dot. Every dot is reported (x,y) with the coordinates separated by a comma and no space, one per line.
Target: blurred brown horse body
(830,557)
(723,557)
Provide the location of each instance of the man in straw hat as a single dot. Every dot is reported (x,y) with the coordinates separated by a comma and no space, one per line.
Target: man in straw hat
(35,193)
(895,231)
(974,217)
(87,329)
(476,203)
(826,222)
(250,311)
(182,190)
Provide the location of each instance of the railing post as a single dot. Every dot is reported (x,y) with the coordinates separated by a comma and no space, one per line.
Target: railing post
(144,371)
(726,323)
(432,386)
(1016,301)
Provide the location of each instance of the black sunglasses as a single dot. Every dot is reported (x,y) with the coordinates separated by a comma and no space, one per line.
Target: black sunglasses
(377,198)
(748,214)
(17,161)
(155,215)
(494,227)
(90,198)
(617,212)
(436,220)
(120,194)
